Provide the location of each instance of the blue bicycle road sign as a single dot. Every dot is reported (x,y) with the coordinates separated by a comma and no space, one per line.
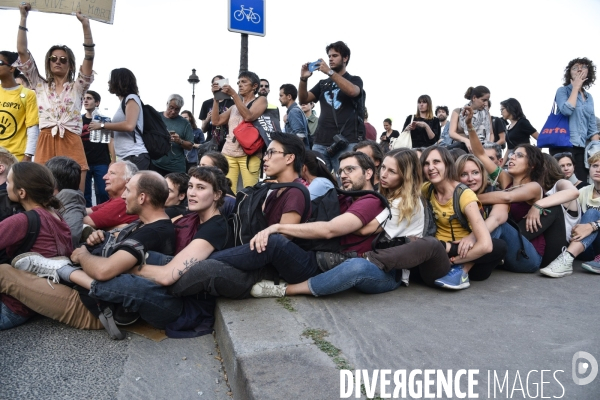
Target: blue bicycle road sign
(247,16)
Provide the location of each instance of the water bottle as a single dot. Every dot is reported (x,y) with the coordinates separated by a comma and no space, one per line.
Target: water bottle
(106,134)
(95,134)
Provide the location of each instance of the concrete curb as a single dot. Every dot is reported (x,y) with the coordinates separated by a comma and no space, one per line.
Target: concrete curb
(262,348)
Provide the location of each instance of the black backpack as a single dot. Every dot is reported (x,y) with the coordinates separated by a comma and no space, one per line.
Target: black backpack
(8,207)
(247,219)
(323,208)
(156,137)
(33,230)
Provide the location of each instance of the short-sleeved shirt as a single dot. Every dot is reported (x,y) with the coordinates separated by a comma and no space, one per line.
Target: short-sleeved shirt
(156,236)
(129,143)
(290,200)
(318,187)
(57,111)
(366,208)
(96,153)
(443,212)
(111,213)
(519,133)
(327,92)
(174,161)
(214,231)
(219,131)
(18,111)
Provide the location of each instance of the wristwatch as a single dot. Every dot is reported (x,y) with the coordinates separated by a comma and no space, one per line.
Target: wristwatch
(331,72)
(102,125)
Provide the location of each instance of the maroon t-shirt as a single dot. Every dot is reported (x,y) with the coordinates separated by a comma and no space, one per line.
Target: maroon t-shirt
(111,213)
(53,240)
(366,208)
(290,200)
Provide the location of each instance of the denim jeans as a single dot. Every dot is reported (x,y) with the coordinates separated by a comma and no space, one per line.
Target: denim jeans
(294,264)
(332,160)
(155,258)
(9,319)
(591,243)
(97,172)
(356,272)
(138,294)
(514,261)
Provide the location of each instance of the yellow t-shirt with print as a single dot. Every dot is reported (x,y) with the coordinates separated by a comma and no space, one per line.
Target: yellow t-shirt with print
(443,212)
(18,111)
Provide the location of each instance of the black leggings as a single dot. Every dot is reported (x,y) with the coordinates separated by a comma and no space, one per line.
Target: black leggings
(554,231)
(485,264)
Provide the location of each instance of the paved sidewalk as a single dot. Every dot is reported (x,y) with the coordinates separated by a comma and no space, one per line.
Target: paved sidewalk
(511,322)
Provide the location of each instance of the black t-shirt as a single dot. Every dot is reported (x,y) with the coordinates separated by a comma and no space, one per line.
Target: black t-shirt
(220,131)
(344,111)
(419,135)
(96,153)
(157,236)
(214,231)
(394,134)
(519,133)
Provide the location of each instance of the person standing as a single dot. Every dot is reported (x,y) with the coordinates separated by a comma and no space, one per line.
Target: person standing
(18,106)
(337,95)
(574,101)
(182,138)
(296,122)
(442,113)
(219,132)
(247,108)
(99,155)
(312,119)
(424,127)
(191,156)
(387,135)
(370,131)
(59,95)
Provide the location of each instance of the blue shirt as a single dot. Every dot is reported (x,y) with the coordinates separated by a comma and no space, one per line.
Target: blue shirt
(582,121)
(296,120)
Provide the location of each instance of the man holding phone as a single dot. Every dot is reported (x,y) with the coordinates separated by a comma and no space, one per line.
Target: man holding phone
(182,138)
(340,126)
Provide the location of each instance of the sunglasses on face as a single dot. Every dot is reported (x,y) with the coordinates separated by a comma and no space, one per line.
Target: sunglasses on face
(265,86)
(558,156)
(62,59)
(4,63)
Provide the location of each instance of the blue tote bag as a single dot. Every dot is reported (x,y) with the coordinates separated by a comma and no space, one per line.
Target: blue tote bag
(555,132)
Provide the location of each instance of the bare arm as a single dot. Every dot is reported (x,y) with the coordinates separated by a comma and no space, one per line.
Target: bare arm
(197,250)
(304,96)
(216,118)
(565,194)
(101,268)
(88,45)
(339,226)
(132,112)
(290,218)
(529,192)
(483,244)
(257,108)
(87,220)
(22,34)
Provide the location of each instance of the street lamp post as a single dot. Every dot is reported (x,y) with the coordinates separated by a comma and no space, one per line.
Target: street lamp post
(193,79)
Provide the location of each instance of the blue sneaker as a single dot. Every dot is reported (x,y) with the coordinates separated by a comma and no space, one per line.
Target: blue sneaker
(456,279)
(592,266)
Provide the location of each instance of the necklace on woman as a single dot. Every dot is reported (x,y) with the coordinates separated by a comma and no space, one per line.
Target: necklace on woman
(597,190)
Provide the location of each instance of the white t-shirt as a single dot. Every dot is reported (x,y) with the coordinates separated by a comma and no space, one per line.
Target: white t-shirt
(570,221)
(585,198)
(124,143)
(394,229)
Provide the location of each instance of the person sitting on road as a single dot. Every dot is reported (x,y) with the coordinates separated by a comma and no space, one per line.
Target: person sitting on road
(31,185)
(67,174)
(112,213)
(176,204)
(470,259)
(315,173)
(102,269)
(403,245)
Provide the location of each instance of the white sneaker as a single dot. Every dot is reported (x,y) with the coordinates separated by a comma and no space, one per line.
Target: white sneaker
(562,266)
(268,289)
(40,265)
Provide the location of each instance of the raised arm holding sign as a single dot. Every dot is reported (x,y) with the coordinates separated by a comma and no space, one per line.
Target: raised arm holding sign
(99,10)
(59,94)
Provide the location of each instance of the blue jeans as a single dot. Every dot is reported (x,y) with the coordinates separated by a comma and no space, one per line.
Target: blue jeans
(514,261)
(591,244)
(97,172)
(9,319)
(138,294)
(357,272)
(155,258)
(293,263)
(332,160)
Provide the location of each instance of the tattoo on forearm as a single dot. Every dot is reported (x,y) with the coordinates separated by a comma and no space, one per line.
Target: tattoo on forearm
(187,265)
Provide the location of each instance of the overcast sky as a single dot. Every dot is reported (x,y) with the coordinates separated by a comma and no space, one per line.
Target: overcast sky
(401,49)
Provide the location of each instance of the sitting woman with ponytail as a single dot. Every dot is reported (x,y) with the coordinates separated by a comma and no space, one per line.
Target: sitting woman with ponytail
(315,173)
(31,185)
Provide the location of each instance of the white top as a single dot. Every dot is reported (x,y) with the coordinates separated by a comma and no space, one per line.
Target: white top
(124,143)
(394,229)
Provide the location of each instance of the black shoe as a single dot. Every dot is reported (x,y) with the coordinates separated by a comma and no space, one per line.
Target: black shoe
(327,260)
(106,317)
(124,317)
